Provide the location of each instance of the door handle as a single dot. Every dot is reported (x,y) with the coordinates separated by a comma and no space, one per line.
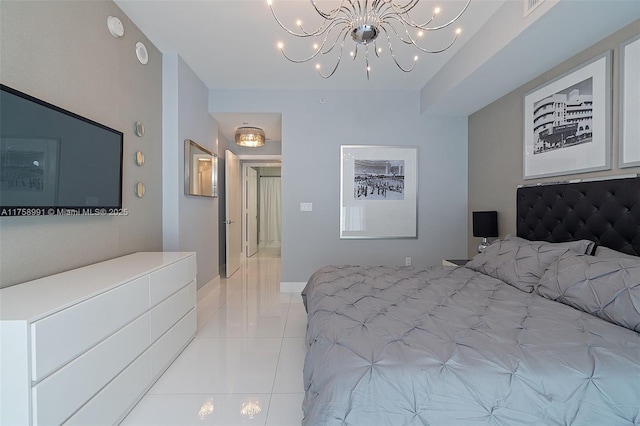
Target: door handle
(228,222)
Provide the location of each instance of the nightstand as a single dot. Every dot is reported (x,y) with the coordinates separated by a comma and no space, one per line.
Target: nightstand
(454,262)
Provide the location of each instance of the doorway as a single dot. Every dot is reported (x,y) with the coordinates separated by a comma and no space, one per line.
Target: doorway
(262,213)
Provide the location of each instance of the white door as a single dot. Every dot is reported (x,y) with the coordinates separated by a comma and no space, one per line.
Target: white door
(233,212)
(251,213)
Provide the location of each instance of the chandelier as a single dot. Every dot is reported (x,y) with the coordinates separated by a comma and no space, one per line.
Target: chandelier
(364,21)
(250,136)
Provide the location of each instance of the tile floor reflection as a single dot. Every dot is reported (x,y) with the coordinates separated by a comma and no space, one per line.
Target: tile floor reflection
(244,366)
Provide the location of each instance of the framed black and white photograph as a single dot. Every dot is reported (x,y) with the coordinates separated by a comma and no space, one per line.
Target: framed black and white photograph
(567,122)
(378,192)
(630,103)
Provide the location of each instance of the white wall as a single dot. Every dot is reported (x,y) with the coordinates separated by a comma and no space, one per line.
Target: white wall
(62,52)
(312,133)
(190,223)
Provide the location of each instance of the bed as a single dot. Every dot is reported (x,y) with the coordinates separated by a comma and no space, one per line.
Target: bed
(543,328)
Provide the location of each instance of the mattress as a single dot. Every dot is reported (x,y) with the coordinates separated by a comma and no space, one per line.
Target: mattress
(452,346)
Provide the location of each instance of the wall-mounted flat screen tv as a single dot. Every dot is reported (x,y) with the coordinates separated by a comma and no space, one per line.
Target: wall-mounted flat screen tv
(54,162)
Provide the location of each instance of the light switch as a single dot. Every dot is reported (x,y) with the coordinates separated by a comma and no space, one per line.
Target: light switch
(306,207)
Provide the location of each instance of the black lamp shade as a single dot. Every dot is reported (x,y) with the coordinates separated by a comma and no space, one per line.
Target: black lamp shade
(485,224)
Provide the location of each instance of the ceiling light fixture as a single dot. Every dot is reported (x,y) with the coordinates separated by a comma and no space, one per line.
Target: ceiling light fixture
(250,136)
(365,21)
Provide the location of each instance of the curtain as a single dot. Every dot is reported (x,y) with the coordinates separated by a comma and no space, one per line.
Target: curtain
(270,211)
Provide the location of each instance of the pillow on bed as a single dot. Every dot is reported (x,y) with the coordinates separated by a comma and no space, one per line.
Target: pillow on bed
(607,253)
(607,288)
(516,261)
(579,246)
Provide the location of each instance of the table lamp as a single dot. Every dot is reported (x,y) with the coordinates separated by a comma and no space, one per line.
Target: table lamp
(485,224)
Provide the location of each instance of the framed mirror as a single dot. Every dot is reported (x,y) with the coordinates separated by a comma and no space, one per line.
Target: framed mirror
(200,170)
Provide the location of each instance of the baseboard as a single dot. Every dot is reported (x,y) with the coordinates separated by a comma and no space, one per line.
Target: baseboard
(292,287)
(207,288)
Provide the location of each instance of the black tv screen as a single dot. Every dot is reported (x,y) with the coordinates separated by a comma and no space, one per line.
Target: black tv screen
(55,162)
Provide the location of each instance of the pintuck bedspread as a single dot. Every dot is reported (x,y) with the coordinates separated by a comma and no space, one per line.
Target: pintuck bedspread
(452,346)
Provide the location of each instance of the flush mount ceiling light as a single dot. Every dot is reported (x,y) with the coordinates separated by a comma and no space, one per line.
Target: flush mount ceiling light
(250,136)
(365,21)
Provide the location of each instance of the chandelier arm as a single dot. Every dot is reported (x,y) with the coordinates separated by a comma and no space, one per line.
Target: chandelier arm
(337,62)
(367,60)
(387,22)
(325,30)
(321,30)
(334,43)
(399,8)
(411,40)
(293,33)
(466,6)
(422,49)
(394,56)
(318,51)
(333,12)
(409,21)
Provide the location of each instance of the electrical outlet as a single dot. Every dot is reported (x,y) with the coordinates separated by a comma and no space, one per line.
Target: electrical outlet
(306,207)
(407,261)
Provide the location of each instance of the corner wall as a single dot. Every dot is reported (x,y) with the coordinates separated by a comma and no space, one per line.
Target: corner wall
(63,53)
(190,223)
(496,134)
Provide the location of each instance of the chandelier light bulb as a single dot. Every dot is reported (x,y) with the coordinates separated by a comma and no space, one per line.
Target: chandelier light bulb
(366,23)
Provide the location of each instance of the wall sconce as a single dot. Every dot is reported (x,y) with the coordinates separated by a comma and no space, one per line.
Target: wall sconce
(485,224)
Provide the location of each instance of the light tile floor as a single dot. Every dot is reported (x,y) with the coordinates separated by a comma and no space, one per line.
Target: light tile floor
(244,366)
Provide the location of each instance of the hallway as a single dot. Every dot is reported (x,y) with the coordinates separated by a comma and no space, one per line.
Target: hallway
(244,366)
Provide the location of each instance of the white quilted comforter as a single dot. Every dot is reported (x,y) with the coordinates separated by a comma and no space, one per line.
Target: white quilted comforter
(442,346)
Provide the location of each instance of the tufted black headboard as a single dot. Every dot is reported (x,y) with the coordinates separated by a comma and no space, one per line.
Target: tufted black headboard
(607,212)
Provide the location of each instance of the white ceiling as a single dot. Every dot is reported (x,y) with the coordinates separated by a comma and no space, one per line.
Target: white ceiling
(231,44)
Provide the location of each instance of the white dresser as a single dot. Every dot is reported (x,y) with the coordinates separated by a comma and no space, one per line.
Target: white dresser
(83,346)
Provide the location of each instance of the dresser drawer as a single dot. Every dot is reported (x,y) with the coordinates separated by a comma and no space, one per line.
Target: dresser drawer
(110,405)
(170,279)
(61,394)
(171,343)
(167,313)
(60,337)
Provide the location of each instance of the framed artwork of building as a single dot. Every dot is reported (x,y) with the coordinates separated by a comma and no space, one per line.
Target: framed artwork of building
(630,103)
(567,122)
(378,192)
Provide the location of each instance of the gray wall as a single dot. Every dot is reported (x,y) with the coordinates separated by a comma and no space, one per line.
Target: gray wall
(495,141)
(189,222)
(312,133)
(63,53)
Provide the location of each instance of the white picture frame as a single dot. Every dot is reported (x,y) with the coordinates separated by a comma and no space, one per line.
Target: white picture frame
(629,153)
(567,122)
(378,192)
